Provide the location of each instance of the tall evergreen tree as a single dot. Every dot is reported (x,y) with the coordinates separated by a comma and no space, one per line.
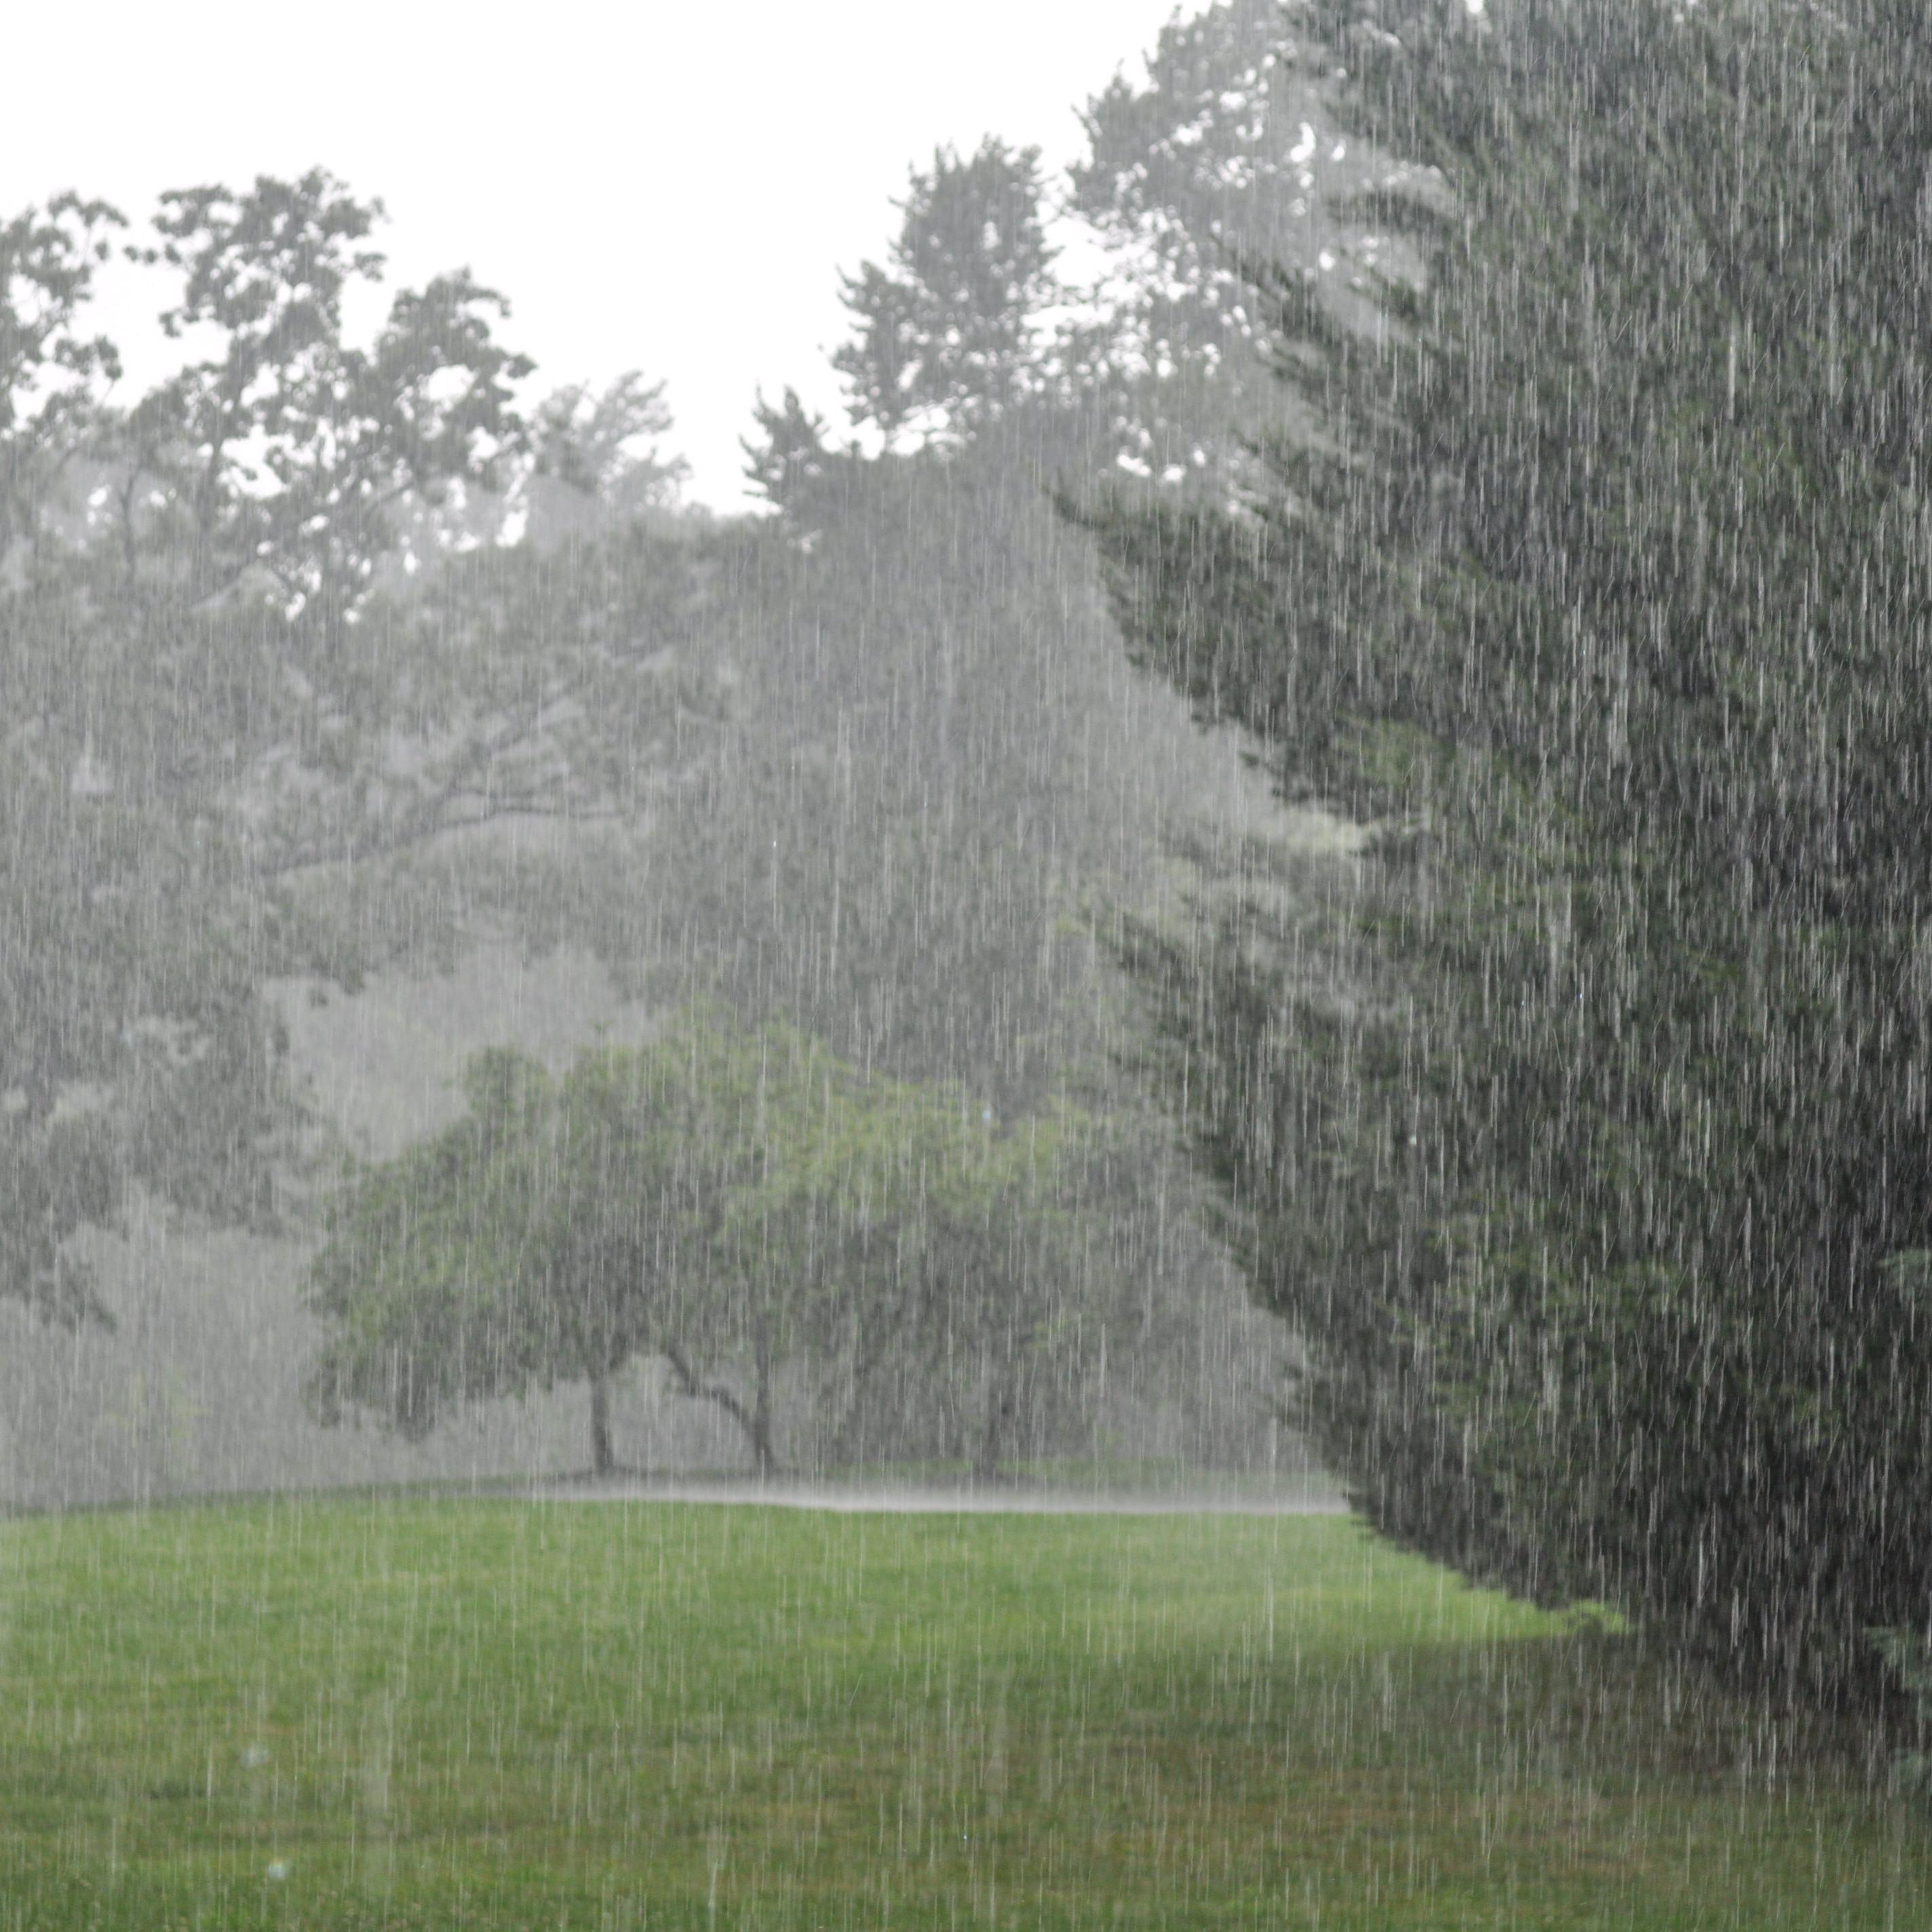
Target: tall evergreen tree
(1601,1192)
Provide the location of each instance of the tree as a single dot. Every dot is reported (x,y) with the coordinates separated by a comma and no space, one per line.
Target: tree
(1236,150)
(789,457)
(901,844)
(727,1200)
(1586,1150)
(122,1004)
(52,374)
(664,1201)
(288,452)
(597,459)
(209,772)
(995,1270)
(191,817)
(890,842)
(945,332)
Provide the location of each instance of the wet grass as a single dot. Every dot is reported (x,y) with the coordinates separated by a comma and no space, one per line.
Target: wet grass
(357,1714)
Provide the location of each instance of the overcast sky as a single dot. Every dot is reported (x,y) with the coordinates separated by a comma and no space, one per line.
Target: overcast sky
(667,187)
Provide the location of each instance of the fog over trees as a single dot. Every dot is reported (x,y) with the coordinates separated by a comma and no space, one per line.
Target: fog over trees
(350,671)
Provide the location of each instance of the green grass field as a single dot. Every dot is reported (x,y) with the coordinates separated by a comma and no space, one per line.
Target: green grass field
(493,1713)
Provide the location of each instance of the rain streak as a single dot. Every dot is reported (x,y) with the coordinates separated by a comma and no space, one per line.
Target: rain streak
(1152,1152)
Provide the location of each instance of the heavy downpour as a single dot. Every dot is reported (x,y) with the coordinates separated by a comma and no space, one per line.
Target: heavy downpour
(967,970)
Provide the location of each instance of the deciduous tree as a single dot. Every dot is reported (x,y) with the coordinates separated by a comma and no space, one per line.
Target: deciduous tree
(945,329)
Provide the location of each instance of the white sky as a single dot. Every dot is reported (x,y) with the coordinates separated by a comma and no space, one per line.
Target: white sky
(670,186)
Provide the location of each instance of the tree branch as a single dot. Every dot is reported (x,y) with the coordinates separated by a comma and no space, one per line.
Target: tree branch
(697,1390)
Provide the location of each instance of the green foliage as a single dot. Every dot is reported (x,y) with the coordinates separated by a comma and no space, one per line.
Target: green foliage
(728,1199)
(1578,1145)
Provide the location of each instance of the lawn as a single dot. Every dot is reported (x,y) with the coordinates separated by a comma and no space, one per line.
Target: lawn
(428,1713)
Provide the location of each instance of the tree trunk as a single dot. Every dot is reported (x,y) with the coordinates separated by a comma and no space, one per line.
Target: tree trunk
(986,1464)
(755,1421)
(602,1462)
(764,1456)
(761,1403)
(1001,1396)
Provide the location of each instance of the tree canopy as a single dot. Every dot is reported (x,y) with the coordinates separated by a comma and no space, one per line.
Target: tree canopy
(726,1199)
(945,332)
(233,701)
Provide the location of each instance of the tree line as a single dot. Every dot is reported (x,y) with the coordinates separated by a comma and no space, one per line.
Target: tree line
(292,637)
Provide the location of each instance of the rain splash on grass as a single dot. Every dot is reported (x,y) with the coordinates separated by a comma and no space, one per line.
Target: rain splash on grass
(430,1715)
